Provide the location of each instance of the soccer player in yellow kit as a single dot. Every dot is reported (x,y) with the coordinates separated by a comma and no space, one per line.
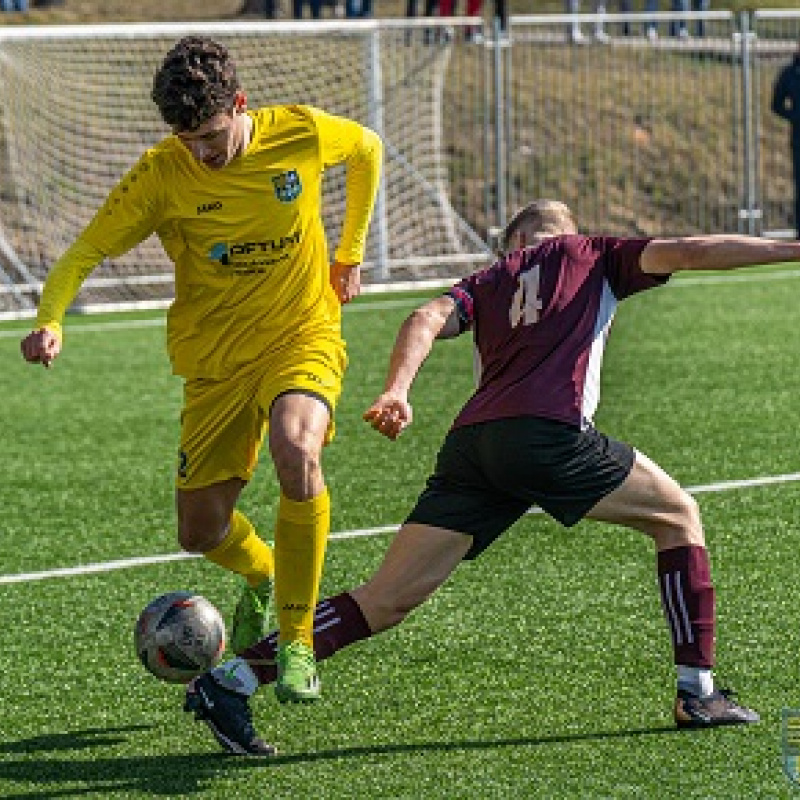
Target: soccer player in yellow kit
(255,328)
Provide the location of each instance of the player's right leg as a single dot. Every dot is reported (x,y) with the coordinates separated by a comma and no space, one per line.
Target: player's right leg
(649,500)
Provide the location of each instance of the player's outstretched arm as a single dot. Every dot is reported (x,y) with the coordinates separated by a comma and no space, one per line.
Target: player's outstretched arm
(391,412)
(714,252)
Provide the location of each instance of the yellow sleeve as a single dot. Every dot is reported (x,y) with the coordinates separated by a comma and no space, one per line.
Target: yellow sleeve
(126,218)
(130,212)
(63,283)
(344,140)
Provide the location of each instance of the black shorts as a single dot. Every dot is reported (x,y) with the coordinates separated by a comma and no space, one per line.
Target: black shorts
(488,475)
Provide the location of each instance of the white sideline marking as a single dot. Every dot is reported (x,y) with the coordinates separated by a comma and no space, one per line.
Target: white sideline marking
(140,561)
(160,322)
(108,566)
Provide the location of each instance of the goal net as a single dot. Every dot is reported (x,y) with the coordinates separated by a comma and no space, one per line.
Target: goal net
(75,114)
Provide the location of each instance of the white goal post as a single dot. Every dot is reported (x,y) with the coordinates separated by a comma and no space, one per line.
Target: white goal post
(76,113)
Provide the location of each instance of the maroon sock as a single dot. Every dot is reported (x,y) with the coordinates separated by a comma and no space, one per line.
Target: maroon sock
(687,594)
(338,622)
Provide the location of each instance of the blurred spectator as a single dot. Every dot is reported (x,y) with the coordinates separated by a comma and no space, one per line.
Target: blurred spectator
(625,8)
(651,26)
(448,8)
(786,104)
(701,5)
(13,5)
(575,33)
(264,8)
(357,9)
(677,27)
(431,7)
(680,27)
(314,5)
(501,13)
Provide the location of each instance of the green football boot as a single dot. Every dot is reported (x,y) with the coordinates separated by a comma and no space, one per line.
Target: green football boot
(297,674)
(251,618)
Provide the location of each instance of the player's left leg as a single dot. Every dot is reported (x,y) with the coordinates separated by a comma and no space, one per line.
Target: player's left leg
(457,516)
(650,501)
(221,431)
(419,560)
(298,427)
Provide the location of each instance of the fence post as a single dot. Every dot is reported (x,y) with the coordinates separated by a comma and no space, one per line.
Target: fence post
(750,214)
(500,143)
(376,122)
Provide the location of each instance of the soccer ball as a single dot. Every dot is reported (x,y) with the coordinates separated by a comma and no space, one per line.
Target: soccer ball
(178,636)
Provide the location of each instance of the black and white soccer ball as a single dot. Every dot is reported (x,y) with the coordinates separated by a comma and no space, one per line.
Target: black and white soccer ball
(179,635)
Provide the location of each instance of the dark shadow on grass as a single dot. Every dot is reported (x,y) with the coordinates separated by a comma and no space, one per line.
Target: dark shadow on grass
(474,744)
(168,775)
(73,740)
(164,775)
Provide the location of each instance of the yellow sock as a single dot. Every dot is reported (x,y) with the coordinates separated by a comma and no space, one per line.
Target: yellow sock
(301,534)
(243,551)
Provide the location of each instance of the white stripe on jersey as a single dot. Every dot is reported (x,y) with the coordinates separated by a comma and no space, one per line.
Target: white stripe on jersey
(591,382)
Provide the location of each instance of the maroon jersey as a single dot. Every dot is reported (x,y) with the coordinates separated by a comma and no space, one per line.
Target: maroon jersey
(540,318)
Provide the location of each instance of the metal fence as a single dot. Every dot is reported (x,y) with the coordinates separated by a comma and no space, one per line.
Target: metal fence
(653,123)
(657,124)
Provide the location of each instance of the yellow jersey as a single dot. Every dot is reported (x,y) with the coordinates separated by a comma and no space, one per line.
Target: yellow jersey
(247,240)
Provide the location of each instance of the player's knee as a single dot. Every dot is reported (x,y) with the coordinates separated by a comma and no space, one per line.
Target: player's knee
(686,526)
(201,532)
(690,512)
(298,467)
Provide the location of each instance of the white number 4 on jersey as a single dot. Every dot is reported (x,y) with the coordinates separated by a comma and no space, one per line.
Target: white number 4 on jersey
(526,303)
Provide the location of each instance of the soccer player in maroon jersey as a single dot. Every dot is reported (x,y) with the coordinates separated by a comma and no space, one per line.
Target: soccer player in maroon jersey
(540,317)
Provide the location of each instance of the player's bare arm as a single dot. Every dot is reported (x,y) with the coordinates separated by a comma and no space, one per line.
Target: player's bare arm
(714,252)
(391,413)
(41,346)
(346,281)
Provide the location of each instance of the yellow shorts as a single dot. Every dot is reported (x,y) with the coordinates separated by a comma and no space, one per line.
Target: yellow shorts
(223,422)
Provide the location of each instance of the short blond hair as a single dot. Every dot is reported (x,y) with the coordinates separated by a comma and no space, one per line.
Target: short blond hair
(550,217)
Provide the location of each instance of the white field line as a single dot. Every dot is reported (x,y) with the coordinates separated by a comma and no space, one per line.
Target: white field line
(160,322)
(376,305)
(108,566)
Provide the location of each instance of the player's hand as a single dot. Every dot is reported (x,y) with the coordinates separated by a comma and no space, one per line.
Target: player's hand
(389,415)
(346,281)
(41,347)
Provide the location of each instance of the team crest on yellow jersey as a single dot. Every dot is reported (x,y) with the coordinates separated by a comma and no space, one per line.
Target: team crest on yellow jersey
(287,186)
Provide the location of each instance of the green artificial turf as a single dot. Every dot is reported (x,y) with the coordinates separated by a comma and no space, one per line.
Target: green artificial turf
(542,670)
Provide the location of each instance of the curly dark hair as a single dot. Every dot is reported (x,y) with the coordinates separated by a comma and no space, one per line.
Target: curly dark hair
(196,80)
